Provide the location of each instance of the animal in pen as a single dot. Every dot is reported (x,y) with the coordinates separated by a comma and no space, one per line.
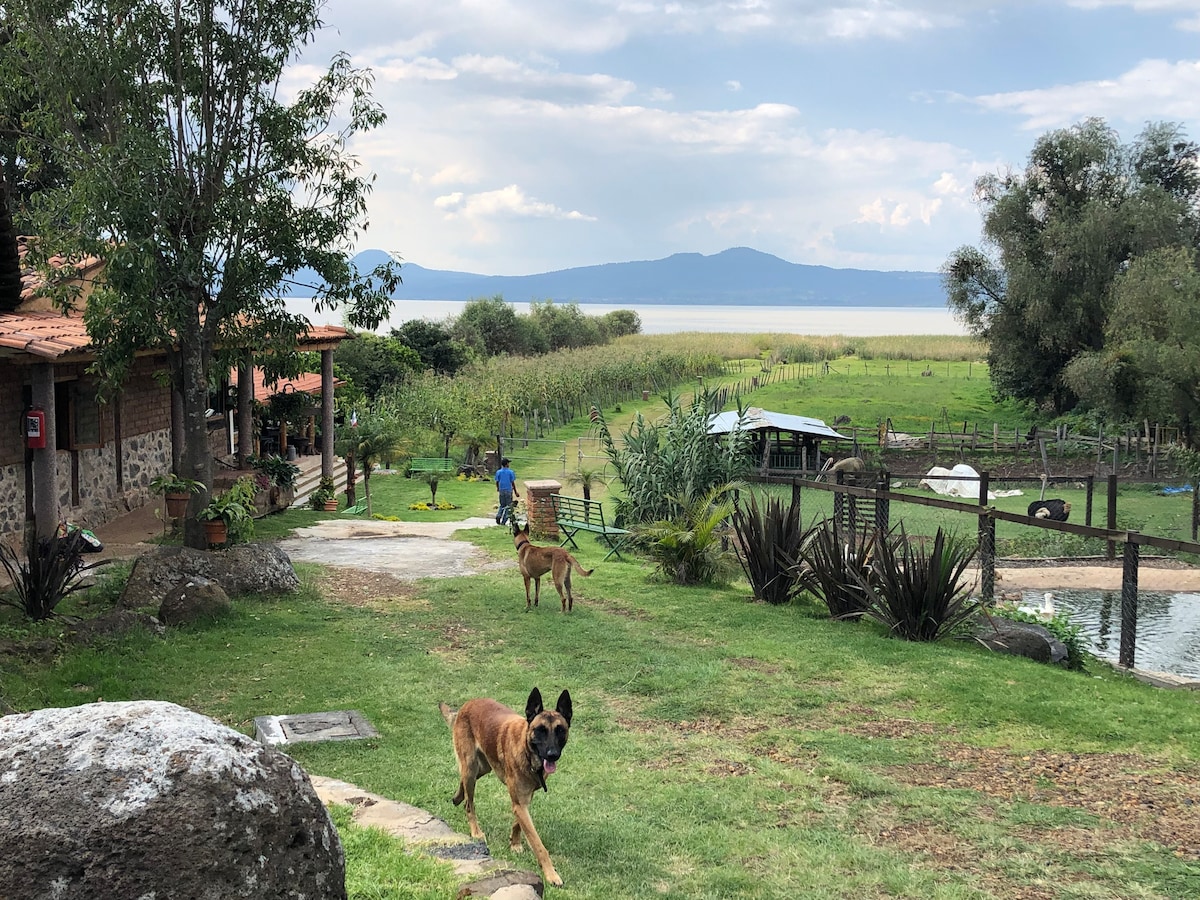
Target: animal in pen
(1053,509)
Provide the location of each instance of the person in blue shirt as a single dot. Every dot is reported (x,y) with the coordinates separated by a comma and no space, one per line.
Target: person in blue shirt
(506,486)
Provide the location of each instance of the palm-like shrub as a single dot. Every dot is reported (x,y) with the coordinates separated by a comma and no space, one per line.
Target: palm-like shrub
(376,437)
(919,592)
(836,568)
(586,478)
(769,539)
(689,548)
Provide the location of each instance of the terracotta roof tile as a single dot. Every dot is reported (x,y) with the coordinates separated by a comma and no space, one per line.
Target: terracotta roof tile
(48,335)
(307,383)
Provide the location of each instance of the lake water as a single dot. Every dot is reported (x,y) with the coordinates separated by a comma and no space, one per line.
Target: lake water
(853,321)
(1168,626)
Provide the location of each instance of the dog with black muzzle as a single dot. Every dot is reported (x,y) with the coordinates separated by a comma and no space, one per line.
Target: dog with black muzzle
(488,736)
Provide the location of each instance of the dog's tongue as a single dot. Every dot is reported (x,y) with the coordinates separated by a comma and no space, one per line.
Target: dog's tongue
(548,766)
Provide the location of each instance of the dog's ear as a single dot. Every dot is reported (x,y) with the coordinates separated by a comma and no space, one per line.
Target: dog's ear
(533,706)
(564,706)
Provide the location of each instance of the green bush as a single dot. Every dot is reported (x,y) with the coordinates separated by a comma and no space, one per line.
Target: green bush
(690,548)
(669,465)
(277,469)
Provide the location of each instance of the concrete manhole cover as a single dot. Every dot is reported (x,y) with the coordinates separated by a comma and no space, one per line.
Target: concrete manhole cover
(341,725)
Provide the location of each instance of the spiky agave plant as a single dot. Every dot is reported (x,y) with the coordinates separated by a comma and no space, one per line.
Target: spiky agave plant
(835,567)
(50,573)
(920,592)
(769,539)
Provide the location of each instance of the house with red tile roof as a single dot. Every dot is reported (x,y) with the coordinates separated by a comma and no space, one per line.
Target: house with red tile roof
(101,453)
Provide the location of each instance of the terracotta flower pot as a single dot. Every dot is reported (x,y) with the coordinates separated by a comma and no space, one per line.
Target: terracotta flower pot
(331,504)
(177,505)
(217,531)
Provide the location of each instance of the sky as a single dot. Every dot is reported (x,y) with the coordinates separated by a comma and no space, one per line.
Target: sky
(527,136)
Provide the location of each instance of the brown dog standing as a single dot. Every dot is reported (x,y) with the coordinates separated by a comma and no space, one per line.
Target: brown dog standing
(536,561)
(489,736)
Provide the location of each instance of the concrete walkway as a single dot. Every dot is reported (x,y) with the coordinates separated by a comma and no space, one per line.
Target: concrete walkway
(406,550)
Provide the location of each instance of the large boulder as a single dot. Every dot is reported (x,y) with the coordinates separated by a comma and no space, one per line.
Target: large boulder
(256,568)
(1022,639)
(148,799)
(194,600)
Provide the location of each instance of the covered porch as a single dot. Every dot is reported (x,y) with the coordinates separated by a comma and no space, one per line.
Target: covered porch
(783,443)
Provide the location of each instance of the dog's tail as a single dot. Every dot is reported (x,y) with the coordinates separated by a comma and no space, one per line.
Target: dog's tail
(578,568)
(448,714)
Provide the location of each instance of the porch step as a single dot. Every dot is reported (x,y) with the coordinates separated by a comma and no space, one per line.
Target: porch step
(308,480)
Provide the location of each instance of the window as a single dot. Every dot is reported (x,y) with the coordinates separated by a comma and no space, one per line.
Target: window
(79,420)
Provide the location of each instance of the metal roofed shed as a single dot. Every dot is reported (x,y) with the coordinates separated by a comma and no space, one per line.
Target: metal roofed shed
(782,441)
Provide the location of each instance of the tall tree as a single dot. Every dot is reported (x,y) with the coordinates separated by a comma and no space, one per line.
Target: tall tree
(1150,364)
(10,261)
(1056,236)
(438,348)
(197,183)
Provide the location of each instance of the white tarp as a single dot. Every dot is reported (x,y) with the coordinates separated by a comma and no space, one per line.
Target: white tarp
(961,481)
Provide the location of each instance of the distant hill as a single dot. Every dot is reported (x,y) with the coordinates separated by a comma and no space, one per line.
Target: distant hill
(735,277)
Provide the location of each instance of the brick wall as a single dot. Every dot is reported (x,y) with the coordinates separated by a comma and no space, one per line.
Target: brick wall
(12,444)
(145,404)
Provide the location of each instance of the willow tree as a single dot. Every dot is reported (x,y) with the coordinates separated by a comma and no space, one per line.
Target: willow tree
(197,180)
(1056,237)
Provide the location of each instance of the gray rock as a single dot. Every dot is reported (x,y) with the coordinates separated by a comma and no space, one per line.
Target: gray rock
(148,799)
(194,600)
(1022,639)
(112,624)
(256,568)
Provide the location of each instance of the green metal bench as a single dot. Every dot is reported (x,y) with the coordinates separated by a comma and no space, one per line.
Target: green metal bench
(357,509)
(431,464)
(574,514)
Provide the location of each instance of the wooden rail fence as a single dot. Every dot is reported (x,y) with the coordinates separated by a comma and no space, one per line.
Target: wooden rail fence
(878,499)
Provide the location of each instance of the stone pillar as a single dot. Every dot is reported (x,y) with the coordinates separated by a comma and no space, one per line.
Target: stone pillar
(45,461)
(327,459)
(538,509)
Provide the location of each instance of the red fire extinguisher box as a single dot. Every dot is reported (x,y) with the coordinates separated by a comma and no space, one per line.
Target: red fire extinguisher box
(35,429)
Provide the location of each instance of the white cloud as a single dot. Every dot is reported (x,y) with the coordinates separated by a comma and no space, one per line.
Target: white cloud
(509,201)
(734,85)
(1153,89)
(454,174)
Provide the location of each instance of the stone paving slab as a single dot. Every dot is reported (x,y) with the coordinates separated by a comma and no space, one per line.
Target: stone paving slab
(424,832)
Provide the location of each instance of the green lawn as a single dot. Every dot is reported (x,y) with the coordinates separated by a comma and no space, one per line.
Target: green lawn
(720,748)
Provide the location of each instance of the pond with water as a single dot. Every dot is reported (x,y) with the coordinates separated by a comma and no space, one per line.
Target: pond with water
(1168,626)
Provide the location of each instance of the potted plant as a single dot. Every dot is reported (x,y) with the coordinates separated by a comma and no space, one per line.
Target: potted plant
(229,516)
(177,491)
(325,496)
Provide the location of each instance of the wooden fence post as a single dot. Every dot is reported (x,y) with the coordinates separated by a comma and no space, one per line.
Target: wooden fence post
(1111,521)
(1129,598)
(987,545)
(1091,490)
(883,506)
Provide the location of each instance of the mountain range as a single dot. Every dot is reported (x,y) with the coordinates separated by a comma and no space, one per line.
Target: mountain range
(739,276)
